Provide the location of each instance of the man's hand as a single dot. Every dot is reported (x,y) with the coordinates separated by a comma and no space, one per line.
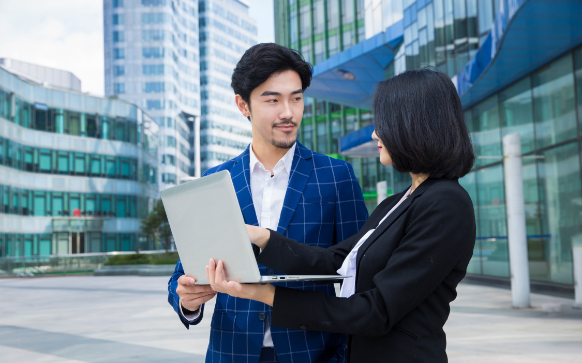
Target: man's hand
(191,295)
(262,293)
(259,236)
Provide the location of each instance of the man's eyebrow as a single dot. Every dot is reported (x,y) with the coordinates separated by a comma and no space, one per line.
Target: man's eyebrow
(273,93)
(270,93)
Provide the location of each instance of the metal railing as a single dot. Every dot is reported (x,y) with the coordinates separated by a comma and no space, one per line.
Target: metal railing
(58,264)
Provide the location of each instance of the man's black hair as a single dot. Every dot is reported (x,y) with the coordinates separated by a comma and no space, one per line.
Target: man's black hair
(261,61)
(419,118)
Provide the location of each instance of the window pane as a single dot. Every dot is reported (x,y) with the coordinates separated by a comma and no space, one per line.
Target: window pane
(516,113)
(45,162)
(308,136)
(560,193)
(491,219)
(486,135)
(322,138)
(469,182)
(63,163)
(80,164)
(95,166)
(555,114)
(39,205)
(578,56)
(121,207)
(57,206)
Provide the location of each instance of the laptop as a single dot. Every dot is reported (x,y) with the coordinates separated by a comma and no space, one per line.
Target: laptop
(207,222)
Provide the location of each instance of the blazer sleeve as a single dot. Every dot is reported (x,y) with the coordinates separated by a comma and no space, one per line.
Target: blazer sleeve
(351,212)
(174,298)
(440,232)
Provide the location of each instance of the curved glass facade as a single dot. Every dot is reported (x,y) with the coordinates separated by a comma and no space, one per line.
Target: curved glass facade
(77,172)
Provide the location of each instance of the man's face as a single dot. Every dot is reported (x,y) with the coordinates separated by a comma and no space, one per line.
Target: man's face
(276,109)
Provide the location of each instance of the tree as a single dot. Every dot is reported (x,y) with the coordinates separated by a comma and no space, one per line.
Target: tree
(156,224)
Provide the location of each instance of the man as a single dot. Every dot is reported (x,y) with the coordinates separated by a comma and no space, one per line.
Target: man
(284,186)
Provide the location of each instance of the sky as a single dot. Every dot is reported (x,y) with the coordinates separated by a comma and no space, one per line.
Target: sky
(68,35)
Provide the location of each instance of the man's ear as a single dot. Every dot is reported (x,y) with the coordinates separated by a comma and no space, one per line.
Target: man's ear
(243,106)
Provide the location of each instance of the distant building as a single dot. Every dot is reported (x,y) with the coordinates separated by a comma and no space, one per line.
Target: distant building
(175,60)
(78,173)
(517,66)
(43,75)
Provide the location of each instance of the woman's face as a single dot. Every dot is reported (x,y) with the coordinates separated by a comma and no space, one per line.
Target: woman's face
(385,158)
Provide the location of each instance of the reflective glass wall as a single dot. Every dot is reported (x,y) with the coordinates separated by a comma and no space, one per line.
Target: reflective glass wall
(87,165)
(544,108)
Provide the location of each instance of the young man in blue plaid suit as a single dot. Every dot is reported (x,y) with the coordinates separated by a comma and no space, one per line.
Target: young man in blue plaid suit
(282,185)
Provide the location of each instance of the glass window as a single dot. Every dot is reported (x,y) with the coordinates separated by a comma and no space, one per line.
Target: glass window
(119,88)
(322,137)
(336,133)
(469,183)
(39,204)
(515,104)
(578,56)
(486,132)
(118,36)
(307,136)
(58,204)
(96,166)
(45,161)
(347,11)
(554,103)
(348,39)
(318,17)
(560,193)
(121,207)
(369,173)
(491,218)
(117,3)
(485,15)
(306,52)
(319,51)
(332,14)
(117,19)
(118,71)
(304,22)
(333,45)
(79,163)
(91,125)
(63,162)
(110,167)
(119,53)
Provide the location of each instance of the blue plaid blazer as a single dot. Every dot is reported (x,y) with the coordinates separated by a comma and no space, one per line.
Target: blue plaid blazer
(323,206)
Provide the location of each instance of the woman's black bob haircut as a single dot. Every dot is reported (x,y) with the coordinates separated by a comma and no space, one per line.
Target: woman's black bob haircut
(261,61)
(419,118)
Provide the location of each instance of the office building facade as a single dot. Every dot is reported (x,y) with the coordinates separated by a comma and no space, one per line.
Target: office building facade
(226,32)
(517,66)
(78,173)
(174,58)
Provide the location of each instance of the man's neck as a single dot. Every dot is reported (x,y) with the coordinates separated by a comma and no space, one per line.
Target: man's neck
(268,154)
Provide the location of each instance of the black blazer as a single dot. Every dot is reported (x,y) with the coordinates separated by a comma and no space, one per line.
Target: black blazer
(407,274)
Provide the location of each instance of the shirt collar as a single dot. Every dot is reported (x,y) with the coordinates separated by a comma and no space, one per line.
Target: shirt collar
(287,158)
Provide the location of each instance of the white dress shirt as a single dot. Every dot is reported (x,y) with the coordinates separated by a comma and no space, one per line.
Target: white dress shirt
(349,265)
(268,189)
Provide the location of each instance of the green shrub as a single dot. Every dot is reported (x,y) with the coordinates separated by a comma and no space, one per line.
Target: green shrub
(170,258)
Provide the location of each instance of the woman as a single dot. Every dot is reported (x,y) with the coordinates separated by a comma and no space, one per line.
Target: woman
(412,252)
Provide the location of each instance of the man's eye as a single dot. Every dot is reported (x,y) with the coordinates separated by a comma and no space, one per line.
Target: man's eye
(272,101)
(297,99)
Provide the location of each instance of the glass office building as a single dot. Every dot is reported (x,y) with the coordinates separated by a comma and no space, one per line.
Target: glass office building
(174,58)
(517,66)
(226,32)
(77,172)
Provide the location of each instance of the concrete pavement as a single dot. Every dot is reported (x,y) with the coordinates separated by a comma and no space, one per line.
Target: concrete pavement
(128,319)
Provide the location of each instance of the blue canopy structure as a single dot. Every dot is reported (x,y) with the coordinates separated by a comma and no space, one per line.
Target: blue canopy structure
(526,34)
(349,78)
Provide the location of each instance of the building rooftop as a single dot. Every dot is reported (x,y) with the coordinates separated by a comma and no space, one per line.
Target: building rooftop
(43,75)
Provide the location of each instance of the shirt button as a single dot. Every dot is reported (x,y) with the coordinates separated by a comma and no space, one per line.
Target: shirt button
(303,327)
(262,316)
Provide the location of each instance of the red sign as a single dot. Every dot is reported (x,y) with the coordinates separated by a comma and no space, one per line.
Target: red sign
(76,212)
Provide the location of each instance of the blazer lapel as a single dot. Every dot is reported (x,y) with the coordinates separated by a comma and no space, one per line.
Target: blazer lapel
(393,217)
(300,171)
(241,179)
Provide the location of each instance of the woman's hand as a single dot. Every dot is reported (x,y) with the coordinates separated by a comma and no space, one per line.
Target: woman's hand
(258,236)
(263,293)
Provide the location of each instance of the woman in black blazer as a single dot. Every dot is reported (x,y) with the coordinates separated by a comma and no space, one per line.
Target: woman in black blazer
(407,265)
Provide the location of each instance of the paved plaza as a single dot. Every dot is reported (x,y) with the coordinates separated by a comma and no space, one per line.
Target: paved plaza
(128,319)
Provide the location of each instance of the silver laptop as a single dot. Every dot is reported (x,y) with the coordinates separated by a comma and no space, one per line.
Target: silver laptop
(207,222)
